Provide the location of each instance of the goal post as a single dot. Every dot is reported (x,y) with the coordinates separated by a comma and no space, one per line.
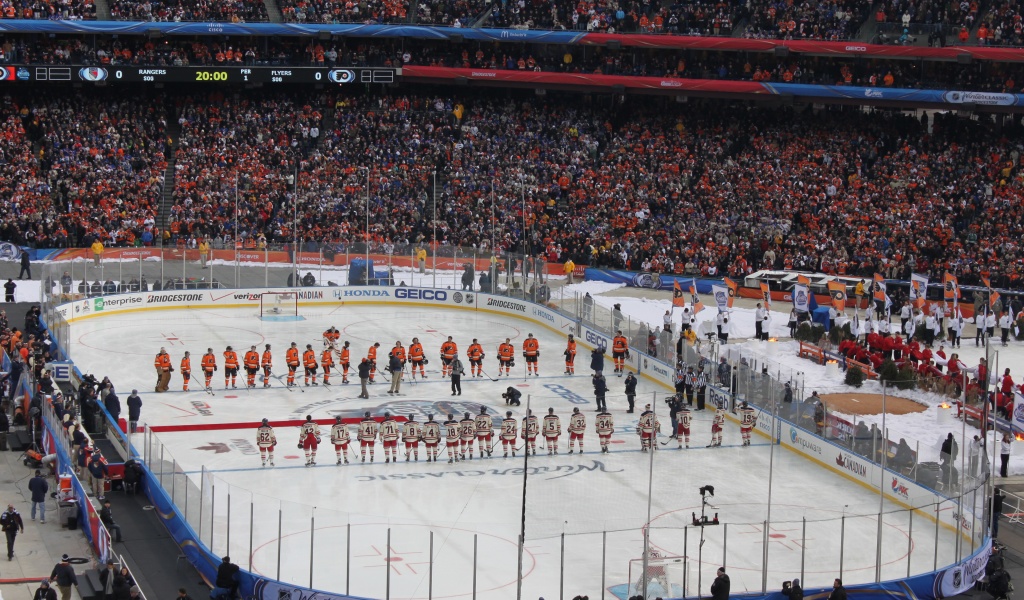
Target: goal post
(666,577)
(279,303)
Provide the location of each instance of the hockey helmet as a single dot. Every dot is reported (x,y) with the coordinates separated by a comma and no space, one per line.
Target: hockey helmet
(266,422)
(337,418)
(450,416)
(483,410)
(366,414)
(575,410)
(467,415)
(309,417)
(229,347)
(387,415)
(551,411)
(309,346)
(412,418)
(508,413)
(268,346)
(430,416)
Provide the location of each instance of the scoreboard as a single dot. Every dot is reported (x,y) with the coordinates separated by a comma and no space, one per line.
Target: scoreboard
(199,75)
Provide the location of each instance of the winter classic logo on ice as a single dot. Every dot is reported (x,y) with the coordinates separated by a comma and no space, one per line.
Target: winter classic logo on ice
(798,440)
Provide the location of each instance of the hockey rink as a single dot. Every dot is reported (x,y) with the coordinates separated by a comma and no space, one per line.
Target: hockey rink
(335,520)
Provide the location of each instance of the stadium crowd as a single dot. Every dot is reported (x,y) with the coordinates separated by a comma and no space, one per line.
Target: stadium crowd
(228,11)
(601,183)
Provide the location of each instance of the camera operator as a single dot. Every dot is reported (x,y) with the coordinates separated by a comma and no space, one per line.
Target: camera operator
(512,396)
(792,590)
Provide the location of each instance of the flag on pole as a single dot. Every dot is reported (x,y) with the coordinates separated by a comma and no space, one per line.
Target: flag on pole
(878,289)
(721,294)
(694,299)
(733,289)
(986,281)
(803,280)
(800,300)
(918,289)
(950,288)
(677,295)
(766,296)
(837,290)
(993,298)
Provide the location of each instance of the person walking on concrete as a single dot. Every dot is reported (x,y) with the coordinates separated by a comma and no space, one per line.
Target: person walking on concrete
(26,266)
(134,411)
(98,471)
(64,575)
(11,523)
(38,486)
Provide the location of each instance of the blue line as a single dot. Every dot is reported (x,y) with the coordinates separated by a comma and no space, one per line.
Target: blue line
(378,463)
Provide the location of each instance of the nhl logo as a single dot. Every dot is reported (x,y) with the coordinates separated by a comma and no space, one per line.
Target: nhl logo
(469,298)
(958,578)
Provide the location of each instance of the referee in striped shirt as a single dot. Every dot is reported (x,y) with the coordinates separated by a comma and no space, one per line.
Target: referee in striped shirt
(700,382)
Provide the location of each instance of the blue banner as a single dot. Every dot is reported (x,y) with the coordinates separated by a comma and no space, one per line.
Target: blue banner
(653,281)
(899,95)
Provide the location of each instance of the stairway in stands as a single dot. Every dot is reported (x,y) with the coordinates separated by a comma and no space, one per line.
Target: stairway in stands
(273,12)
(102,10)
(167,196)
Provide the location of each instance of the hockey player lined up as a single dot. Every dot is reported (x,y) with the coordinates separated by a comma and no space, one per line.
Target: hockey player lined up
(209,365)
(327,361)
(717,424)
(371,355)
(476,359)
(747,421)
(416,358)
(448,351)
(265,441)
(368,428)
(605,425)
(309,364)
(570,356)
(484,432)
(162,363)
(340,438)
(431,438)
(252,366)
(577,427)
(506,357)
(389,432)
(291,359)
(344,361)
(411,434)
(620,352)
(508,433)
(309,439)
(648,427)
(552,429)
(531,351)
(267,362)
(684,419)
(453,432)
(186,370)
(531,428)
(467,433)
(230,367)
(331,337)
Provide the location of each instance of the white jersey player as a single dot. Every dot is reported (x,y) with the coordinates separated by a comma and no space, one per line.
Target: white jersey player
(390,430)
(484,432)
(684,418)
(431,437)
(467,433)
(577,427)
(340,437)
(265,441)
(452,433)
(552,429)
(604,425)
(509,429)
(531,428)
(648,427)
(411,434)
(717,424)
(309,438)
(368,428)
(747,421)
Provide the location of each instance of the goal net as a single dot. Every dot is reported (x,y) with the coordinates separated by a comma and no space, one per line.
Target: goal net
(666,577)
(279,303)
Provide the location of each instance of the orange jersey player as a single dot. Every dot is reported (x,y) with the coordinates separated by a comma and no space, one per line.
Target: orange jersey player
(449,350)
(344,358)
(186,371)
(309,364)
(209,365)
(476,359)
(327,361)
(331,337)
(230,367)
(267,362)
(291,359)
(162,363)
(371,356)
(417,358)
(252,366)
(506,357)
(620,352)
(570,356)
(531,351)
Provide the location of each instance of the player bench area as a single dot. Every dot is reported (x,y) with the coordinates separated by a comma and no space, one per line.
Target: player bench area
(821,356)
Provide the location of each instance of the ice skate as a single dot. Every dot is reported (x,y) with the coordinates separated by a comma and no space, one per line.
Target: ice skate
(406,458)
(339,462)
(387,460)
(271,462)
(346,460)
(570,450)
(264,463)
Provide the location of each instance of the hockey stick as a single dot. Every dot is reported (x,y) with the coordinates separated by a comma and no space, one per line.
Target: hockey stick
(486,374)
